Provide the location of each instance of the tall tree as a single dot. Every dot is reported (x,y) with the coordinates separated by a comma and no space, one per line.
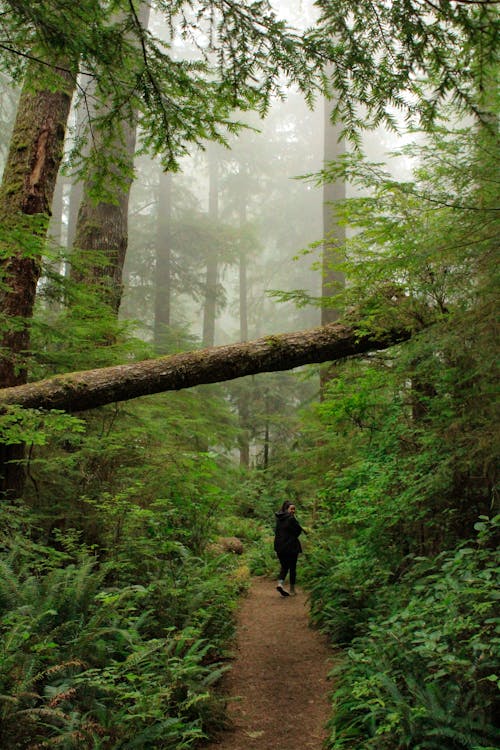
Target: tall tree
(333,232)
(56,219)
(212,268)
(102,225)
(26,194)
(163,261)
(101,234)
(242,272)
(243,397)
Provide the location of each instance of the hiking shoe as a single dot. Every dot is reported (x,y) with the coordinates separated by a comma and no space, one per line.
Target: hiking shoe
(282,590)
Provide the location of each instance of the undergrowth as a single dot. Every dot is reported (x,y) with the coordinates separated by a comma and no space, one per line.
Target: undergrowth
(421,670)
(93,657)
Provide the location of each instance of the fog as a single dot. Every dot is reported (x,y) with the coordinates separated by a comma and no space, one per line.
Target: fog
(238,220)
(209,244)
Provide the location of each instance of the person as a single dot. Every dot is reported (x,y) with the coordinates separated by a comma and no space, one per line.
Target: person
(287,545)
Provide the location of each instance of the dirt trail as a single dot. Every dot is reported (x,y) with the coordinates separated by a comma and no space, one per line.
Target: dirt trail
(278,682)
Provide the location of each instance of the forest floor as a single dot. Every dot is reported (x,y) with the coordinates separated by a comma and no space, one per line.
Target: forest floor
(278,685)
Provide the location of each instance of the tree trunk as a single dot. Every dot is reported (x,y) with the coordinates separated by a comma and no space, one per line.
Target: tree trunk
(243,296)
(79,391)
(334,234)
(75,199)
(27,190)
(80,115)
(163,269)
(26,193)
(102,225)
(265,462)
(210,307)
(55,224)
(244,437)
(103,229)
(243,400)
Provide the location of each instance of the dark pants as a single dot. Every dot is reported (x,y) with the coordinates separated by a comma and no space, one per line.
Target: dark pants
(288,564)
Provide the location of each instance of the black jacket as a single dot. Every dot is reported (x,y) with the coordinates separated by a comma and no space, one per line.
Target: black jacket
(286,535)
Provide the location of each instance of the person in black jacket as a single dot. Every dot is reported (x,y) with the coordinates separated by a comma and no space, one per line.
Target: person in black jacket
(287,545)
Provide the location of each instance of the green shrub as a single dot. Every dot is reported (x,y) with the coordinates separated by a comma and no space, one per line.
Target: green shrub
(344,584)
(88,661)
(425,677)
(261,558)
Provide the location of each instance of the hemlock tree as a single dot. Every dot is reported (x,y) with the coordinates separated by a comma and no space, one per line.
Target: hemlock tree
(212,267)
(163,262)
(334,234)
(26,194)
(102,225)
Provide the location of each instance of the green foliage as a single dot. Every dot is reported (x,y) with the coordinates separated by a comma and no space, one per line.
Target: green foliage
(114,618)
(382,57)
(345,584)
(261,559)
(91,660)
(402,57)
(425,676)
(182,490)
(233,59)
(413,431)
(402,451)
(36,427)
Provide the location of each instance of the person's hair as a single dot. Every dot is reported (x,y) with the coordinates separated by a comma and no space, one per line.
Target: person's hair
(285,506)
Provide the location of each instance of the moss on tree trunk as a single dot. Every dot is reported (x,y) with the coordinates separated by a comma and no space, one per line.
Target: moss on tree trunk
(26,194)
(79,391)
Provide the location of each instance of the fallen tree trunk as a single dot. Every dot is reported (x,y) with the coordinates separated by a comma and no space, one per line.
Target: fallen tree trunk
(78,391)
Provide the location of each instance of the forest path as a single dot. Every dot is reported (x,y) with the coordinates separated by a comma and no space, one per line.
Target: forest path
(278,682)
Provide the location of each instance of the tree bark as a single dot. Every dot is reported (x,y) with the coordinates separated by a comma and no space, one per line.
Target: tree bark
(265,460)
(334,234)
(102,225)
(27,189)
(75,200)
(243,400)
(163,265)
(26,193)
(56,218)
(243,279)
(80,116)
(212,272)
(79,391)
